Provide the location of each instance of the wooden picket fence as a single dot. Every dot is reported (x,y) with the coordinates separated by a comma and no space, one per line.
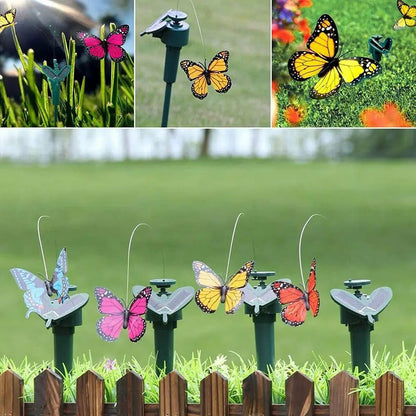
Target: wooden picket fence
(257,397)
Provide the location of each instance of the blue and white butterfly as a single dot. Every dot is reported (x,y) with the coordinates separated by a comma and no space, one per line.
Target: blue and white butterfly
(38,290)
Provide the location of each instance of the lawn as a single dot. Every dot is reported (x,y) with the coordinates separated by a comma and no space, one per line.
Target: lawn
(367,233)
(356,24)
(243,30)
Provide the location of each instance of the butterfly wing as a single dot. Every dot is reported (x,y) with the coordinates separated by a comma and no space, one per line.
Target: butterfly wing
(234,294)
(313,294)
(136,325)
(197,73)
(114,42)
(216,68)
(354,70)
(59,281)
(294,313)
(36,297)
(7,19)
(324,46)
(95,46)
(408,13)
(208,298)
(109,327)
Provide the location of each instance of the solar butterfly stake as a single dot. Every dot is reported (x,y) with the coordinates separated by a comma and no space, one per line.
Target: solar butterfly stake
(173,31)
(62,313)
(359,312)
(55,76)
(214,290)
(164,310)
(117,314)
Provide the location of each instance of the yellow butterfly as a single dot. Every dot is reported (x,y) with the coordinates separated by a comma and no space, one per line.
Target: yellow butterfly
(7,19)
(322,60)
(408,13)
(215,291)
(213,75)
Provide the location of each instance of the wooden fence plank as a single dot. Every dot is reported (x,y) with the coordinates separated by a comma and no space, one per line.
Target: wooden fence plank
(48,394)
(90,394)
(214,395)
(257,395)
(130,400)
(299,395)
(172,395)
(342,401)
(11,394)
(389,395)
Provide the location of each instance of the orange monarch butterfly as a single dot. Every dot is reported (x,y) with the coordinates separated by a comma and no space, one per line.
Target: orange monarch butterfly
(408,13)
(215,291)
(202,76)
(322,60)
(7,19)
(298,300)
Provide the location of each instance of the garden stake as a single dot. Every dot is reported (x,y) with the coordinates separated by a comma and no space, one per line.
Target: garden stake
(55,76)
(359,312)
(164,310)
(174,33)
(262,305)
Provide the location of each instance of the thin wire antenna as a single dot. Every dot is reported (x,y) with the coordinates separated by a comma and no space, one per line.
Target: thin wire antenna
(163,263)
(231,243)
(41,246)
(199,28)
(300,246)
(128,256)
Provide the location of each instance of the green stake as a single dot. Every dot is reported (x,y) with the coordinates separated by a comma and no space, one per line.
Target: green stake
(164,310)
(261,304)
(55,77)
(171,29)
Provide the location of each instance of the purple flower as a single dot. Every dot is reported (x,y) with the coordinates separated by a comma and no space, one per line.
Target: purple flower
(110,365)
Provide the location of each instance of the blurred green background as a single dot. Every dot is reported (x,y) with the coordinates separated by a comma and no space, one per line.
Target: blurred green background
(356,24)
(243,28)
(368,232)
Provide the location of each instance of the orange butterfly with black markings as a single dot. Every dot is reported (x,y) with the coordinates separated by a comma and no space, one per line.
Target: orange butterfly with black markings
(298,300)
(214,75)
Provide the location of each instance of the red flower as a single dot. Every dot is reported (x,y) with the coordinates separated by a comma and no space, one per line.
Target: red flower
(294,115)
(305,3)
(388,116)
(304,28)
(275,87)
(284,35)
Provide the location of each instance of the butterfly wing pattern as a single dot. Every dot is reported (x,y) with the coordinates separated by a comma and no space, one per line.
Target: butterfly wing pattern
(203,76)
(214,291)
(298,301)
(36,296)
(112,44)
(7,19)
(59,283)
(408,13)
(321,60)
(117,316)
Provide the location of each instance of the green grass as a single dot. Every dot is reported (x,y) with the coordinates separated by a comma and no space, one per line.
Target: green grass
(243,30)
(367,233)
(356,24)
(111,106)
(194,369)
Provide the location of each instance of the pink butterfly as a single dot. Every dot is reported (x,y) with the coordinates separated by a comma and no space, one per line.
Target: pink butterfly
(98,48)
(118,316)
